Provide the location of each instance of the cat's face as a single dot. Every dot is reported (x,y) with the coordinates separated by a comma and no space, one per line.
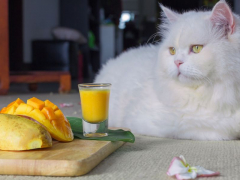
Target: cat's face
(192,45)
(187,51)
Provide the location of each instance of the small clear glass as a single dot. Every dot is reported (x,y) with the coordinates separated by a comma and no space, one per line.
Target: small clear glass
(94,99)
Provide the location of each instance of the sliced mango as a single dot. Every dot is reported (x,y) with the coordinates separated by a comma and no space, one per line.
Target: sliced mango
(4,110)
(16,103)
(58,125)
(23,109)
(11,104)
(46,113)
(49,113)
(36,103)
(50,104)
(37,115)
(9,109)
(64,123)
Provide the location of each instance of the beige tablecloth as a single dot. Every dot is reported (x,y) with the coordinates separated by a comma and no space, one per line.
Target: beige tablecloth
(149,157)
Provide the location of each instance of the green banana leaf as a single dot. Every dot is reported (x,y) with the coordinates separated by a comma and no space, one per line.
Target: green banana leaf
(113,135)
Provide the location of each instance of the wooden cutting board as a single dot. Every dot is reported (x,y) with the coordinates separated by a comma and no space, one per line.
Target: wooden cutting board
(62,159)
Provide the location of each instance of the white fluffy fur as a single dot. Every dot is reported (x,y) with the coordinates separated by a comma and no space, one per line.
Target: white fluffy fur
(203,102)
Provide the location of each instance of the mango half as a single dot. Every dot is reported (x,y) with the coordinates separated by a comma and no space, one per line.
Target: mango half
(19,133)
(46,113)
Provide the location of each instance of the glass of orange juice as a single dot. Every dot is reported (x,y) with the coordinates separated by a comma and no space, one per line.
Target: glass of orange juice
(95,102)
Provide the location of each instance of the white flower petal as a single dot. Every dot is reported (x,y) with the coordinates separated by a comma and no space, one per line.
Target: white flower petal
(189,175)
(183,159)
(182,170)
(204,172)
(201,170)
(177,166)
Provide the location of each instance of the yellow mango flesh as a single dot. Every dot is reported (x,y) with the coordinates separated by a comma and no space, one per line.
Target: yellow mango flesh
(49,113)
(64,125)
(10,109)
(36,103)
(18,133)
(16,103)
(37,115)
(51,105)
(4,110)
(23,109)
(95,104)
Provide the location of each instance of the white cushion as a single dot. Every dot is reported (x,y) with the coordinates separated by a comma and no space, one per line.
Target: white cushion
(64,33)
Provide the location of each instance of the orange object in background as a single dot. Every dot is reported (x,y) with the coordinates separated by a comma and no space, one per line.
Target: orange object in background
(95,104)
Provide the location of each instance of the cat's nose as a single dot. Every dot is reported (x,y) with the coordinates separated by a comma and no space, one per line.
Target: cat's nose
(178,63)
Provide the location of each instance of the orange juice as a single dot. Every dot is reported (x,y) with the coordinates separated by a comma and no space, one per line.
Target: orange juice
(95,104)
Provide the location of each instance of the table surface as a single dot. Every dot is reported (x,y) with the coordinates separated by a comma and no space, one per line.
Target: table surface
(149,157)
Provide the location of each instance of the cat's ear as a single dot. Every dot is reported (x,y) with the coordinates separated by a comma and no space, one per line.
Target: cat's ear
(222,17)
(171,15)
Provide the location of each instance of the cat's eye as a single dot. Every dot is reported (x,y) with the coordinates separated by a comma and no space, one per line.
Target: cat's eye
(172,50)
(197,48)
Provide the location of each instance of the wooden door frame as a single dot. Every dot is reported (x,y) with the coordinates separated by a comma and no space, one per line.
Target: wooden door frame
(64,78)
(4,47)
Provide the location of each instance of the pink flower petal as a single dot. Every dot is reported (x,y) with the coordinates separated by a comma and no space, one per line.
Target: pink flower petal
(66,104)
(182,170)
(209,175)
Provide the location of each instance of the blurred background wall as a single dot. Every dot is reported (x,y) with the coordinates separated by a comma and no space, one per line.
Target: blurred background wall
(39,17)
(80,36)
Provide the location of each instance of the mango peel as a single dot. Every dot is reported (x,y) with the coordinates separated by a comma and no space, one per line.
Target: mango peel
(19,133)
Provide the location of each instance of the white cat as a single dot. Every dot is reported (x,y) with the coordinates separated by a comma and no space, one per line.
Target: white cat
(186,87)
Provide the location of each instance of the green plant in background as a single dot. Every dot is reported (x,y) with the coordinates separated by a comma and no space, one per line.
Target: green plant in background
(91,39)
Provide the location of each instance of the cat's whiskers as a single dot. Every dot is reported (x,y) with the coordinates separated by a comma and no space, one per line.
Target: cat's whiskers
(204,77)
(199,74)
(156,40)
(195,74)
(153,37)
(208,80)
(171,72)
